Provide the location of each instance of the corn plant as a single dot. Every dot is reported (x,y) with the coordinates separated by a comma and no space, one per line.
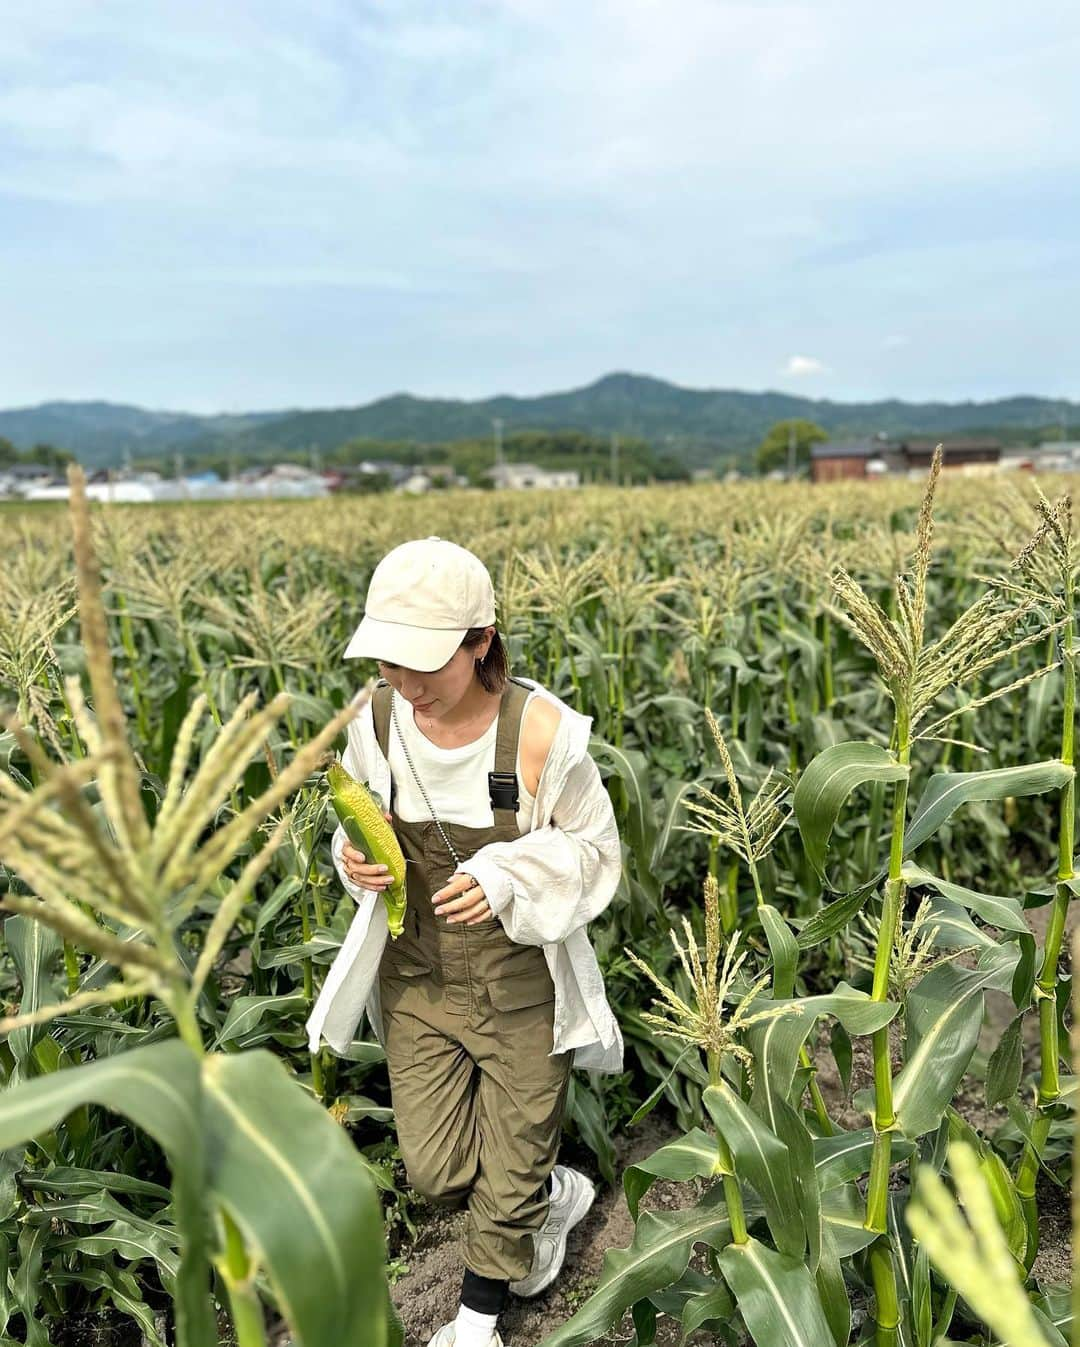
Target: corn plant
(967,1240)
(916,672)
(784,1211)
(1046,570)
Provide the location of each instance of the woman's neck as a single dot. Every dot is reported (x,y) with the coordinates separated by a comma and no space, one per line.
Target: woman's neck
(465,721)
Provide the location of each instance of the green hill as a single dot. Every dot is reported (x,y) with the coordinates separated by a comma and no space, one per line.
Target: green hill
(695,426)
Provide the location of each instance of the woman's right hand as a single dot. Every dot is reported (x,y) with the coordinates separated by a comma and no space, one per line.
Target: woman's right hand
(361,871)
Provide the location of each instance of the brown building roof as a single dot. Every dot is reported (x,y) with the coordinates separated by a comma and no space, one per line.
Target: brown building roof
(959,448)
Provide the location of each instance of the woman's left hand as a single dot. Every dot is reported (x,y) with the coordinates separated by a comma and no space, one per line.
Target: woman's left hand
(462,899)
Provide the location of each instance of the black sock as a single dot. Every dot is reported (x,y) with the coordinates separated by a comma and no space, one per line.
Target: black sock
(488,1295)
(485,1295)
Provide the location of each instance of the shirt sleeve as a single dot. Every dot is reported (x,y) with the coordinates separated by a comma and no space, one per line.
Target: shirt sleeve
(352,759)
(550,881)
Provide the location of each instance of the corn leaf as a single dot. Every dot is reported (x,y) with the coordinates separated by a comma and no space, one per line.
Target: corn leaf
(833,1290)
(776,1295)
(831,919)
(35,950)
(947,791)
(775,1042)
(944,1016)
(687,1157)
(247,1013)
(839,1159)
(843,1210)
(657,1257)
(586,1108)
(826,784)
(157,1087)
(1003,912)
(1005,1067)
(782,947)
(289,1177)
(763,1161)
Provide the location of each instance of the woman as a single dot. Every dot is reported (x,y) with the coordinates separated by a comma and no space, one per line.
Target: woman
(492,992)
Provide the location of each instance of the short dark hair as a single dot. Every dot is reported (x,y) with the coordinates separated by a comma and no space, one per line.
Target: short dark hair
(494,669)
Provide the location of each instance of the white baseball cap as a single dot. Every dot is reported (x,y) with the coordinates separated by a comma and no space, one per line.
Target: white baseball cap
(423,597)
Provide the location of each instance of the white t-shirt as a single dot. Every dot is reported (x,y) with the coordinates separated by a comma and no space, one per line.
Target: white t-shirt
(456,779)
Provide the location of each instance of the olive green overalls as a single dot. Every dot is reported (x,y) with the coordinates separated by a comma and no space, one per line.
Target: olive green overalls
(468,1028)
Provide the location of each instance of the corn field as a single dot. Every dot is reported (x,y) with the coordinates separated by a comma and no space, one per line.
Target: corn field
(837,726)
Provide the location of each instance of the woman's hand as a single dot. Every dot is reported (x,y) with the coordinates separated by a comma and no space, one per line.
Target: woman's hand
(462,899)
(362,872)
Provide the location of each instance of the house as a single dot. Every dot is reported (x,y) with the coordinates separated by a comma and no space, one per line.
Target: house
(522,476)
(974,454)
(19,479)
(283,480)
(389,467)
(358,475)
(834,459)
(118,491)
(1053,456)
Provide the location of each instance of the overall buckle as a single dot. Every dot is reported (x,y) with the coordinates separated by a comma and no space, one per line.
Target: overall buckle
(503,790)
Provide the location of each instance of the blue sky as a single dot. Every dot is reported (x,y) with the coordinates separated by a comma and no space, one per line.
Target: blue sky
(260,205)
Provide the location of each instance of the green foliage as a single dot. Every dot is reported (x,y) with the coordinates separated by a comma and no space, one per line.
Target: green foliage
(45,455)
(774,451)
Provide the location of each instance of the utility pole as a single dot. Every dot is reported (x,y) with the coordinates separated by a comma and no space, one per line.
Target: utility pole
(497,435)
(791,450)
(614,459)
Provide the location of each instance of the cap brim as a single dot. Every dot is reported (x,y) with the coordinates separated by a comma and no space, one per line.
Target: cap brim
(422,648)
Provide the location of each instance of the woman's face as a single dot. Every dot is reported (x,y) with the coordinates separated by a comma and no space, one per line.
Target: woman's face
(437,693)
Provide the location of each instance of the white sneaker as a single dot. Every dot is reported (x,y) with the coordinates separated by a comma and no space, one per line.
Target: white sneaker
(445,1337)
(576,1196)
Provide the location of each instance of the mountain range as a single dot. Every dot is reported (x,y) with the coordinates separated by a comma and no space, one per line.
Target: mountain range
(693,425)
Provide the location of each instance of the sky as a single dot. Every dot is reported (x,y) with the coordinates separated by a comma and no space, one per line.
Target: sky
(251,206)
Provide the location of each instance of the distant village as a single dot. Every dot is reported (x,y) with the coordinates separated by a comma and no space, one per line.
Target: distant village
(33,482)
(830,460)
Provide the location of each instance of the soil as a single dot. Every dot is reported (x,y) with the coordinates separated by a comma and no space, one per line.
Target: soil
(99,1329)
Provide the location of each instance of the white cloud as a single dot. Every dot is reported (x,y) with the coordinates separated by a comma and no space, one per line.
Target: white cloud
(895,340)
(799,366)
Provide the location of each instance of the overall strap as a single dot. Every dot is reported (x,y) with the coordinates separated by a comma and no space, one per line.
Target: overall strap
(380,714)
(515,694)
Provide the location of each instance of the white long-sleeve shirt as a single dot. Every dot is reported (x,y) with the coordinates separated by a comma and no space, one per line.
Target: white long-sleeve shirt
(544,887)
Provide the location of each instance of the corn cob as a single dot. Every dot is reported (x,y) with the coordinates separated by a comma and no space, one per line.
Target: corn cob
(369,832)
